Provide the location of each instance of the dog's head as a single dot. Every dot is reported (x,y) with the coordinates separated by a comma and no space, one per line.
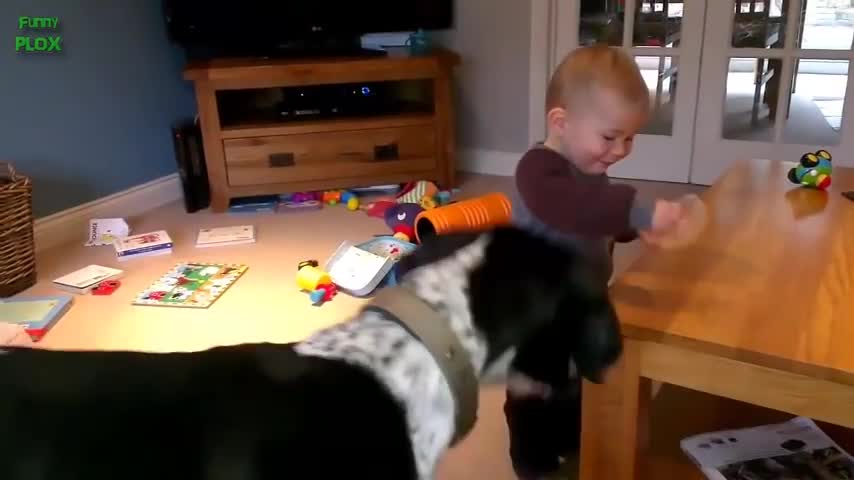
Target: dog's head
(510,286)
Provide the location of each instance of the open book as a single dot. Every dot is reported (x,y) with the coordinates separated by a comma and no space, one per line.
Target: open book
(793,450)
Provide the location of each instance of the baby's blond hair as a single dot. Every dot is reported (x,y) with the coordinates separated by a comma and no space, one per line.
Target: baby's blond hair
(596,66)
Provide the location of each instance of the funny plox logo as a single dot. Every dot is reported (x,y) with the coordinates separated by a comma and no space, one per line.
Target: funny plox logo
(38,39)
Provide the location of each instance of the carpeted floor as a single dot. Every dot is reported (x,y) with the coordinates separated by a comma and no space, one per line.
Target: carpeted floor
(265,305)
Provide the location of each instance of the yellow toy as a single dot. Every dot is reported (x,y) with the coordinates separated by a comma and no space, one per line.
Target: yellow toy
(427,202)
(353,203)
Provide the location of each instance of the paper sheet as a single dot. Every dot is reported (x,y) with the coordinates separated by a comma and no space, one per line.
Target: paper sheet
(793,450)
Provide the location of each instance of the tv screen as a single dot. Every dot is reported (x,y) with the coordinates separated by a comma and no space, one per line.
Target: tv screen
(263,23)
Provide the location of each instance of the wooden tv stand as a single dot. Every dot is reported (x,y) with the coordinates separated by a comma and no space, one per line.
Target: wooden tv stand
(264,152)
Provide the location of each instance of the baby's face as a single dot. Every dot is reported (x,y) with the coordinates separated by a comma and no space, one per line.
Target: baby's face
(602,134)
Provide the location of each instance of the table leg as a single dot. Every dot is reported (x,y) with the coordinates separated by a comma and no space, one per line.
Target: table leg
(615,417)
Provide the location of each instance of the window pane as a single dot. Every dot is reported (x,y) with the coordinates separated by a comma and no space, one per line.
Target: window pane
(815,104)
(751,99)
(601,22)
(759,23)
(827,24)
(658,23)
(661,75)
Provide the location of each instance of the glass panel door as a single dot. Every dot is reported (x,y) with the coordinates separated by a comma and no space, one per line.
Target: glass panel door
(774,82)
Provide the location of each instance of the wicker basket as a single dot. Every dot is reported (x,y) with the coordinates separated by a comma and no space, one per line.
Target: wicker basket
(17,244)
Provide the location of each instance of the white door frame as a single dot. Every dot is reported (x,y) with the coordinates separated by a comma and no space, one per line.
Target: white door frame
(554,31)
(713,153)
(543,47)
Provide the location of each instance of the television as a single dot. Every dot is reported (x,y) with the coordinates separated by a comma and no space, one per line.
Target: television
(206,28)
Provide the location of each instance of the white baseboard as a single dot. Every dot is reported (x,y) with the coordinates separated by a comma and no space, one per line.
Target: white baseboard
(488,162)
(72,224)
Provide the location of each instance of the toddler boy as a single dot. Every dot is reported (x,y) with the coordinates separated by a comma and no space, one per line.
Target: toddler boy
(595,104)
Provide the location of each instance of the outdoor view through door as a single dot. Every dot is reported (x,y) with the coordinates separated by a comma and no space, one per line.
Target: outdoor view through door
(729,79)
(775,82)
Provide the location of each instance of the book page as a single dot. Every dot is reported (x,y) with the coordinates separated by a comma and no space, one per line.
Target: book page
(794,450)
(356,268)
(25,312)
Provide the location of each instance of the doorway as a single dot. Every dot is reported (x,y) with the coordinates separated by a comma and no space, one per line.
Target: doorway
(728,79)
(775,82)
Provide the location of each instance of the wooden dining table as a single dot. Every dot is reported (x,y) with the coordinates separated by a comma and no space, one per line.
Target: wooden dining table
(759,310)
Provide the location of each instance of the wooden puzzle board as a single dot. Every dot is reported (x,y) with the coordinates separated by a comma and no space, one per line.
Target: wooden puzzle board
(191,285)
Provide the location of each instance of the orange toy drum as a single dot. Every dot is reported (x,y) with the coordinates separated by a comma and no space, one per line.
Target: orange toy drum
(481,213)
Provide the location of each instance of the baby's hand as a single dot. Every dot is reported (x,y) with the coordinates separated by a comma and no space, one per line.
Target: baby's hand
(676,223)
(665,216)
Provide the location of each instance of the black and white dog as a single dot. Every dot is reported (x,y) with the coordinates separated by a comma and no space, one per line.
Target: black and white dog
(364,398)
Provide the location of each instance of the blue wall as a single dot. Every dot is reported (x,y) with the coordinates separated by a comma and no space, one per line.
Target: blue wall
(95,119)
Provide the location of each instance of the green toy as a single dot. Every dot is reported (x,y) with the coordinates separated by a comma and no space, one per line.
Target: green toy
(814,170)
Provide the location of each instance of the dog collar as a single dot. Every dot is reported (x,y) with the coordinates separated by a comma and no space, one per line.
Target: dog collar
(424,323)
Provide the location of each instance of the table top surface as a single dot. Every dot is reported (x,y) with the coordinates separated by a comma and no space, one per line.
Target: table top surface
(770,281)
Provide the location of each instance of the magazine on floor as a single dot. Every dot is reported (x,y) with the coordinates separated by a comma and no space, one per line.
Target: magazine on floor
(793,450)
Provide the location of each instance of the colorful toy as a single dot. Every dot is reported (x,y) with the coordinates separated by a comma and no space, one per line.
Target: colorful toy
(302,197)
(378,208)
(315,281)
(346,195)
(331,197)
(427,202)
(310,276)
(106,287)
(443,197)
(353,203)
(401,219)
(479,213)
(813,171)
(195,285)
(323,293)
(413,192)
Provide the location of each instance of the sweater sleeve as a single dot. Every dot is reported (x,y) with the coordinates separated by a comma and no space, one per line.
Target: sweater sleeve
(555,197)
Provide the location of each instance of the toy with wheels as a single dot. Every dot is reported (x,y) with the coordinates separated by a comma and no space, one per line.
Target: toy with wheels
(487,211)
(813,171)
(315,281)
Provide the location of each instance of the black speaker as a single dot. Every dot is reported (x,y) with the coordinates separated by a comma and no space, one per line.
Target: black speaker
(190,156)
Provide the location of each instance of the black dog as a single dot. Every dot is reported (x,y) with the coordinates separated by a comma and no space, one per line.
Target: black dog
(364,398)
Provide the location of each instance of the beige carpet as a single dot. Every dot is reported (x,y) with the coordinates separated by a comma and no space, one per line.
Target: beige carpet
(265,305)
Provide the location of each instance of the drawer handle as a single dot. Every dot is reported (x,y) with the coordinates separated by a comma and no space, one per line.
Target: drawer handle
(386,152)
(282,160)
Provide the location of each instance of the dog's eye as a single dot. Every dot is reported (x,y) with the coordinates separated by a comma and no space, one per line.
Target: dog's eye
(401,216)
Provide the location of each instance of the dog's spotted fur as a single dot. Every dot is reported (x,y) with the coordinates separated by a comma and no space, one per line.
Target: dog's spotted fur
(404,366)
(363,398)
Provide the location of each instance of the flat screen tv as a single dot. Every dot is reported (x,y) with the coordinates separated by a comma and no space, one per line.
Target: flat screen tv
(295,27)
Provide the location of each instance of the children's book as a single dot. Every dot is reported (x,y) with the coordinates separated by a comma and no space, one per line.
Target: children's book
(143,243)
(105,231)
(221,236)
(359,269)
(191,285)
(257,204)
(84,280)
(36,314)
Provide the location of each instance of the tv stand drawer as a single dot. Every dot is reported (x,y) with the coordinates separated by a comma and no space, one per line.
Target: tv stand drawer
(279,159)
